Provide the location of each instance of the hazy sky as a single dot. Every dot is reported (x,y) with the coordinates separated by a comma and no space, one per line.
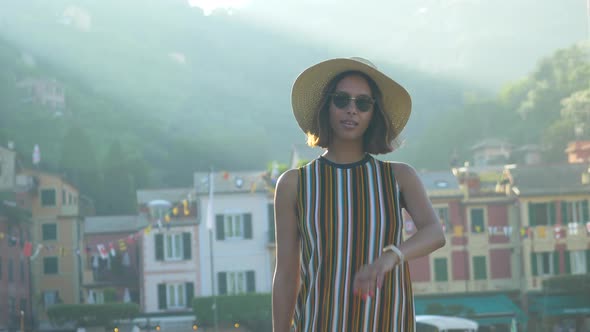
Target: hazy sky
(482,40)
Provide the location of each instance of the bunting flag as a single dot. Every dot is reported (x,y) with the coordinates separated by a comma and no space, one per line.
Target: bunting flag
(524,232)
(122,245)
(541,232)
(148,229)
(37,251)
(588,223)
(458,230)
(104,254)
(28,249)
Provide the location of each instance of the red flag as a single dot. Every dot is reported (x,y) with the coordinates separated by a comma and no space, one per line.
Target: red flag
(28,249)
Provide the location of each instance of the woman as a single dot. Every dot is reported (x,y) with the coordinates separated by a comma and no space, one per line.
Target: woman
(341,264)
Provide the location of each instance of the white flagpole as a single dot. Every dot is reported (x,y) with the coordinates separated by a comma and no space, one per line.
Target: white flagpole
(210,217)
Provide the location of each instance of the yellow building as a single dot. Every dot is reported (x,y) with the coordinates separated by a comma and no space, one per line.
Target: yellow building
(57,230)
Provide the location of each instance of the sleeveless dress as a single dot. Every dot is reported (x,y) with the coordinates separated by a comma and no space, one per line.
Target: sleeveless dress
(346,214)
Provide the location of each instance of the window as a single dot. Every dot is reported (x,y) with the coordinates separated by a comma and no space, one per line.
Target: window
(477,220)
(236,282)
(23,305)
(11,306)
(233,226)
(541,214)
(50,298)
(63,197)
(173,245)
(49,232)
(50,265)
(97,296)
(543,263)
(479,268)
(10,270)
(22,270)
(579,261)
(176,295)
(574,211)
(47,197)
(441,272)
(443,216)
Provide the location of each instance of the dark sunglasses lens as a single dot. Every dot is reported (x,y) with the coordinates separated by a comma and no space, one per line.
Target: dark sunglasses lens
(340,100)
(364,104)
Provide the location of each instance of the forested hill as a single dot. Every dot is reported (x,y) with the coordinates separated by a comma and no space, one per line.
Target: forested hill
(182,90)
(151,98)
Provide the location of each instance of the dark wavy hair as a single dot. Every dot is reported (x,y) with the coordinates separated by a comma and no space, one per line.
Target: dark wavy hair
(379,137)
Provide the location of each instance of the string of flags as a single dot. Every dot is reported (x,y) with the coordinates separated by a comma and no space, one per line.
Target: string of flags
(110,249)
(540,232)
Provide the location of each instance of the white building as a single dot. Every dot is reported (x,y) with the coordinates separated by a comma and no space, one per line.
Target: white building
(170,267)
(242,233)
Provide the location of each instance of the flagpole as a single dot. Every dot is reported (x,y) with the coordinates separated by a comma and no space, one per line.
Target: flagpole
(210,216)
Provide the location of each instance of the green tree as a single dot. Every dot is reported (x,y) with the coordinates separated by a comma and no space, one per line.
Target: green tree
(118,182)
(78,162)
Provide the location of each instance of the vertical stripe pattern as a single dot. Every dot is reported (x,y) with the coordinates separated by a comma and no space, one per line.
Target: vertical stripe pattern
(347,214)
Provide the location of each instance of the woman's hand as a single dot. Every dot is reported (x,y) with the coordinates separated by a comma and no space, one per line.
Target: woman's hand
(370,277)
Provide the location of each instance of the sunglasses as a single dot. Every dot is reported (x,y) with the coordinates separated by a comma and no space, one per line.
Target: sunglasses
(363,103)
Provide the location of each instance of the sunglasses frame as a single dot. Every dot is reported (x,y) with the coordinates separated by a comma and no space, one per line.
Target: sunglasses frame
(357,101)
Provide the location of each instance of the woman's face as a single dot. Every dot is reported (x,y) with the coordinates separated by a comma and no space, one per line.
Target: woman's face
(350,118)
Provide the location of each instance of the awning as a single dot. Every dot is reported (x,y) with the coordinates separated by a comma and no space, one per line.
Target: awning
(486,310)
(557,305)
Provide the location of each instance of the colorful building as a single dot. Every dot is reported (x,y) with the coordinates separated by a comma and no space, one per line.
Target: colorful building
(554,222)
(170,263)
(112,269)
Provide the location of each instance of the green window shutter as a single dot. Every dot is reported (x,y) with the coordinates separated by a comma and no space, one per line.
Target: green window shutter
(564,217)
(248,225)
(479,267)
(585,212)
(532,217)
(162,296)
(186,244)
(440,269)
(552,215)
(534,269)
(159,239)
(222,283)
(568,263)
(190,294)
(556,270)
(250,282)
(49,232)
(271,223)
(219,227)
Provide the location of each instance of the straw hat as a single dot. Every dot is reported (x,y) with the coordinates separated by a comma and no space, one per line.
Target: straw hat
(309,86)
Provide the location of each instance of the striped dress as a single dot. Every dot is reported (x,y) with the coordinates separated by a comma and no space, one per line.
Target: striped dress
(347,213)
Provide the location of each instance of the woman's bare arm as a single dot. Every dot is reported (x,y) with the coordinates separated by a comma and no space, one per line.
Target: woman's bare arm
(286,277)
(429,235)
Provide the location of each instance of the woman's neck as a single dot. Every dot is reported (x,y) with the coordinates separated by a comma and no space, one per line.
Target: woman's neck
(345,153)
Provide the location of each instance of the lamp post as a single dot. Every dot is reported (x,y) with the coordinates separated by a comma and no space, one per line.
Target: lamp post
(22,321)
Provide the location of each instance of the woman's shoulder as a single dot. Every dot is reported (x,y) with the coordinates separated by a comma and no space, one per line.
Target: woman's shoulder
(288,180)
(402,170)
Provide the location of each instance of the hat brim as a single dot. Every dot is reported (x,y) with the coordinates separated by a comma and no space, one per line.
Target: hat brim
(306,94)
